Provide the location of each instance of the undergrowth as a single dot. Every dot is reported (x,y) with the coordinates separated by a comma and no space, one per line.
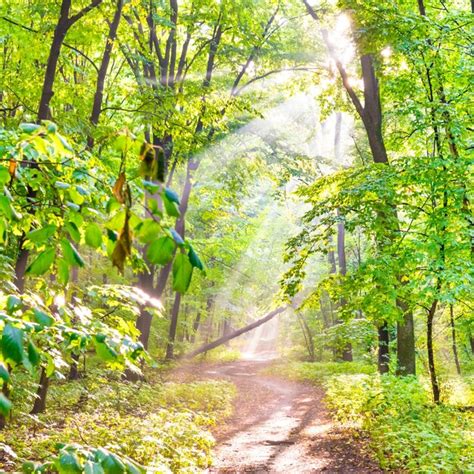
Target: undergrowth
(161,426)
(407,431)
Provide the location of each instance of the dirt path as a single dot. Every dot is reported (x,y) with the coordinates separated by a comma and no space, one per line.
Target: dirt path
(280,426)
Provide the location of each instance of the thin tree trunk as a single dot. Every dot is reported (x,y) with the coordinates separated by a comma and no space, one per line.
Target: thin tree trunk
(196,323)
(234,334)
(173,327)
(341,258)
(453,335)
(371,115)
(383,348)
(39,405)
(60,31)
(431,361)
(308,337)
(99,91)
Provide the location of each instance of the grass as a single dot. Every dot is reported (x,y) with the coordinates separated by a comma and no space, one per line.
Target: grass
(163,426)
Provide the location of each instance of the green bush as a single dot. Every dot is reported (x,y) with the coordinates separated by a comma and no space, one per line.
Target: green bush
(407,431)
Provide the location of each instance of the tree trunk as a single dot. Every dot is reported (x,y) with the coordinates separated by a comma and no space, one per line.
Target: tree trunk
(196,323)
(406,363)
(173,327)
(20,265)
(384,351)
(431,361)
(99,91)
(341,258)
(308,337)
(60,31)
(453,335)
(234,334)
(39,405)
(144,320)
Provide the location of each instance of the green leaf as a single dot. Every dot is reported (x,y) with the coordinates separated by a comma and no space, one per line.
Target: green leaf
(13,303)
(29,127)
(63,271)
(5,405)
(51,127)
(12,344)
(171,207)
(41,264)
(68,463)
(4,374)
(73,231)
(70,254)
(151,187)
(33,354)
(40,235)
(182,273)
(93,236)
(105,352)
(148,231)
(160,252)
(194,259)
(6,208)
(172,196)
(4,175)
(176,237)
(42,318)
(91,467)
(113,465)
(61,185)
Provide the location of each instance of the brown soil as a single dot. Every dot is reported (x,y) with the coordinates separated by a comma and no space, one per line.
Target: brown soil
(279,426)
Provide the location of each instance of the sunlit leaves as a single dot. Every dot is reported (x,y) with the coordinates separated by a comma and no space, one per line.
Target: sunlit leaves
(12,344)
(41,235)
(182,273)
(194,259)
(93,236)
(70,254)
(41,263)
(161,251)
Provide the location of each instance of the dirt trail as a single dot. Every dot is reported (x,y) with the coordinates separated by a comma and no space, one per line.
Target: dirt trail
(280,426)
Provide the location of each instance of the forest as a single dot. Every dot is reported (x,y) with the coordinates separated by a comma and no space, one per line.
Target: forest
(236,236)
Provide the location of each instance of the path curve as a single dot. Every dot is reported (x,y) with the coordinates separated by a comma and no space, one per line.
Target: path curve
(279,426)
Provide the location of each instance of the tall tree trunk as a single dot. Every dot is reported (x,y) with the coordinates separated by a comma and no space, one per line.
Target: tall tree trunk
(99,91)
(454,343)
(371,115)
(308,337)
(39,405)
(431,361)
(62,27)
(173,327)
(196,323)
(60,31)
(383,348)
(341,258)
(180,228)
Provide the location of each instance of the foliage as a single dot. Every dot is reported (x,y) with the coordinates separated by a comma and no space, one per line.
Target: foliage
(407,431)
(162,426)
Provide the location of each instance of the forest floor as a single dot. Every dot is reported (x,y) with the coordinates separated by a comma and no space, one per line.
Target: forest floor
(279,426)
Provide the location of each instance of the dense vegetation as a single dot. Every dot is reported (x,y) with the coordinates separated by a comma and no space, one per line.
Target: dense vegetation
(173,170)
